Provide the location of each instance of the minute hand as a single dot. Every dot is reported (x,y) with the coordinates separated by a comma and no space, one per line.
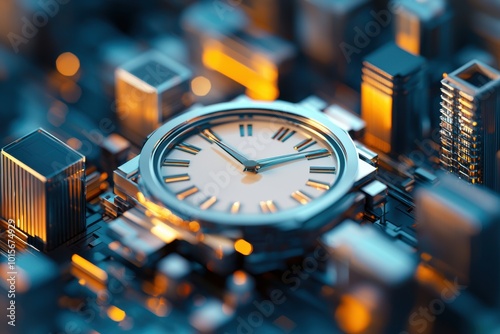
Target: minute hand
(269,162)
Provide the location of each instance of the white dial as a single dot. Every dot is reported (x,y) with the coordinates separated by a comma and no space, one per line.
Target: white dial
(252,165)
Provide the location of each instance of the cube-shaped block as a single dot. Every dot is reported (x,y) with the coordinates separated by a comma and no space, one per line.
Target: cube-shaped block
(43,189)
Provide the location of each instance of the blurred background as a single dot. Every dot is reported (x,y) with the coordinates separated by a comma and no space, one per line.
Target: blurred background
(58,57)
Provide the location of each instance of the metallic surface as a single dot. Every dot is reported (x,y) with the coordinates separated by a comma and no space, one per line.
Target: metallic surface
(46,201)
(152,188)
(394,99)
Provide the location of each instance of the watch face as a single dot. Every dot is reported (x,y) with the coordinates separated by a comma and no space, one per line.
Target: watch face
(247,163)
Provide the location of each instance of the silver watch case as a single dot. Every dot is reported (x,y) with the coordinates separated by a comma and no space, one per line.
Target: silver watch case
(297,218)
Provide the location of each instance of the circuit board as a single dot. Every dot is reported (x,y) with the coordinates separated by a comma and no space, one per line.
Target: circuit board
(391,114)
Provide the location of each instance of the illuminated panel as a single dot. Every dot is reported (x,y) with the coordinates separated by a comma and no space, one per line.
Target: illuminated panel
(408,32)
(258,75)
(424,27)
(394,99)
(43,189)
(150,89)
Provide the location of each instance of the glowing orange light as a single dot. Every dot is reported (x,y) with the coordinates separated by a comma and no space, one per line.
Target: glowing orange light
(201,86)
(116,314)
(243,247)
(260,78)
(157,210)
(184,289)
(426,257)
(70,91)
(352,316)
(67,64)
(164,232)
(408,33)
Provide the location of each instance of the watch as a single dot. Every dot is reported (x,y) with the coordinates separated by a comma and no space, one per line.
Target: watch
(273,174)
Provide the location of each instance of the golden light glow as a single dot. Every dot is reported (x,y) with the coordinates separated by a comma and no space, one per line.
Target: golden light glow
(116,314)
(376,109)
(268,207)
(408,33)
(239,277)
(89,268)
(67,64)
(164,232)
(208,203)
(201,86)
(160,211)
(243,247)
(257,74)
(352,316)
(158,306)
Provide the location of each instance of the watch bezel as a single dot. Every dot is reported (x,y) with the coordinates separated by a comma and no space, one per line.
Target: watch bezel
(153,189)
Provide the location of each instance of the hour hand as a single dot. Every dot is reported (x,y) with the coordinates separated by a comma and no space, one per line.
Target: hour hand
(274,161)
(207,133)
